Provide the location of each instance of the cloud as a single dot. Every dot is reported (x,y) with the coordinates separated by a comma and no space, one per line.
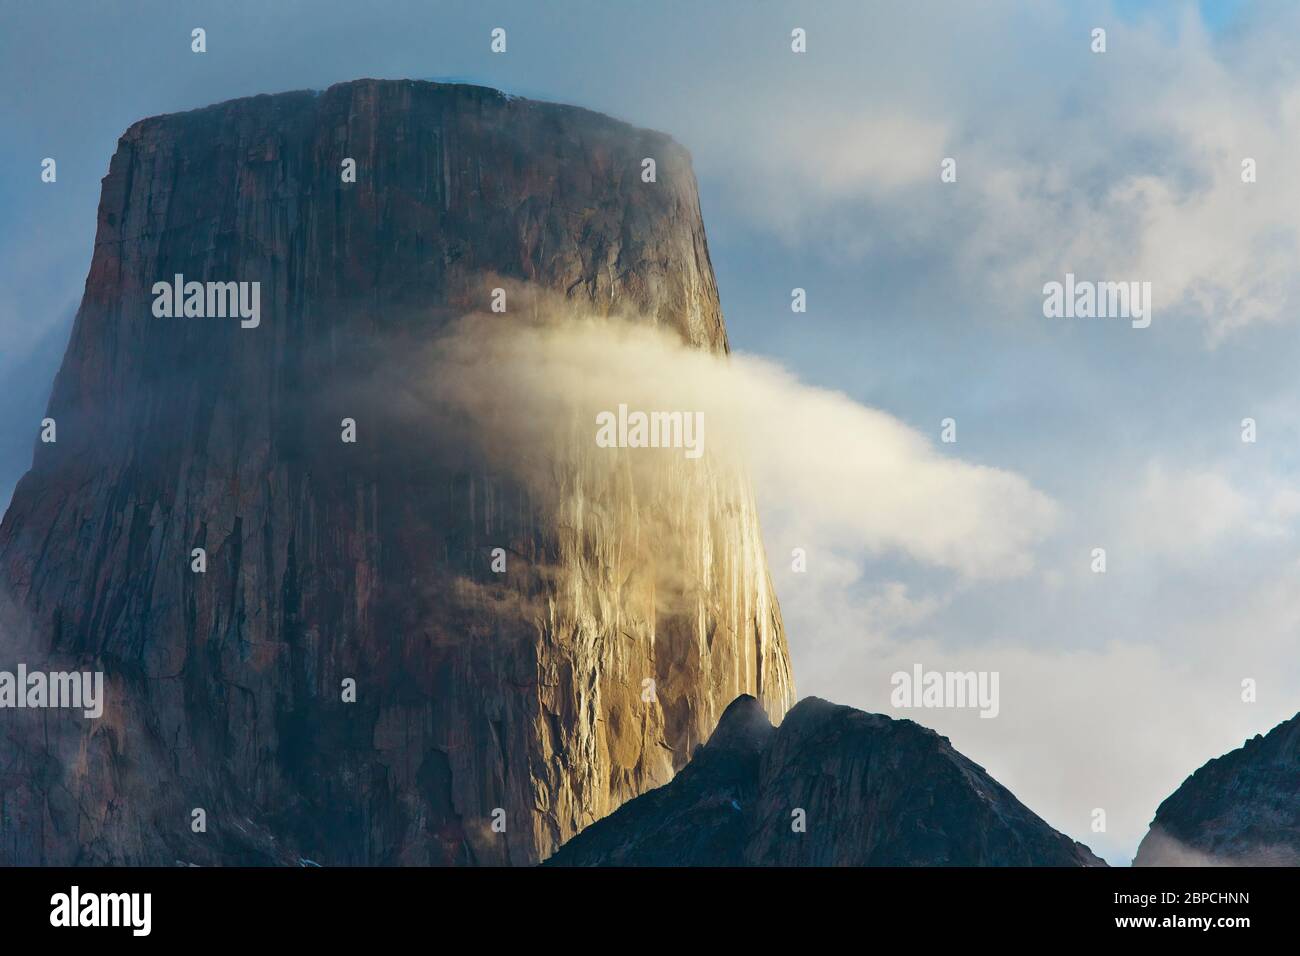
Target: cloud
(1183,516)
(1177,512)
(1125,165)
(826,165)
(1116,727)
(832,476)
(1162,849)
(1113,688)
(833,473)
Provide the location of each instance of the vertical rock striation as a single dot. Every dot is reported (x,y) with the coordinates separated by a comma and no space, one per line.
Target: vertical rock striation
(519,697)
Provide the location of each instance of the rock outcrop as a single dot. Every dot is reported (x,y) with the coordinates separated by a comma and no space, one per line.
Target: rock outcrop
(497,712)
(832,786)
(1241,809)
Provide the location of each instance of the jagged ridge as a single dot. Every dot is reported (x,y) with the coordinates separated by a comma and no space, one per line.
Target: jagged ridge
(873,791)
(1239,809)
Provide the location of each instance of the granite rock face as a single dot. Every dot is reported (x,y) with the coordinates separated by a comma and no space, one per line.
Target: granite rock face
(495,714)
(874,792)
(1241,809)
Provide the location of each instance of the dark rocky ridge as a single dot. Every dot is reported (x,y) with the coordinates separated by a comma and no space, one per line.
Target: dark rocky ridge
(875,791)
(1241,809)
(476,691)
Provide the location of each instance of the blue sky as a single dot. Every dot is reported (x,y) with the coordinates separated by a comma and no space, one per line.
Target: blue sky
(821,171)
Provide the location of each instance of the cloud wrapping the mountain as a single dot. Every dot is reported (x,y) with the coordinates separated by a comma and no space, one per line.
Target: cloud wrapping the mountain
(831,475)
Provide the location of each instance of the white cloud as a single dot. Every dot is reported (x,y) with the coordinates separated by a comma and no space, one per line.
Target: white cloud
(1114,688)
(1185,517)
(831,474)
(1117,726)
(1176,513)
(1123,165)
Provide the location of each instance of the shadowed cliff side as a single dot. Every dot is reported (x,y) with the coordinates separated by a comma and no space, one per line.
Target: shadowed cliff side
(515,698)
(832,786)
(1241,809)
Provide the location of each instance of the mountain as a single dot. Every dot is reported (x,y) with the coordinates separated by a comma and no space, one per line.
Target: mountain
(390,649)
(868,791)
(1241,809)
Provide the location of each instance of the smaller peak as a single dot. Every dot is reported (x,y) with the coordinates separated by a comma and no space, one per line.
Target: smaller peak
(743,726)
(818,706)
(814,710)
(813,715)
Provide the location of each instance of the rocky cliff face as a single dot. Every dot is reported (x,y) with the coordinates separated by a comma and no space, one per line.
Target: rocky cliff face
(867,790)
(1241,809)
(496,712)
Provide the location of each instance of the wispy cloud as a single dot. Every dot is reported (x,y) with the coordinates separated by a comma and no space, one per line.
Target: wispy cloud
(831,475)
(1123,164)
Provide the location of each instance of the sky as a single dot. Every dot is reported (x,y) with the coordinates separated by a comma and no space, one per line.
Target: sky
(821,171)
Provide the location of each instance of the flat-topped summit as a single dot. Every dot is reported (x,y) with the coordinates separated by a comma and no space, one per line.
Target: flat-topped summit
(393,651)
